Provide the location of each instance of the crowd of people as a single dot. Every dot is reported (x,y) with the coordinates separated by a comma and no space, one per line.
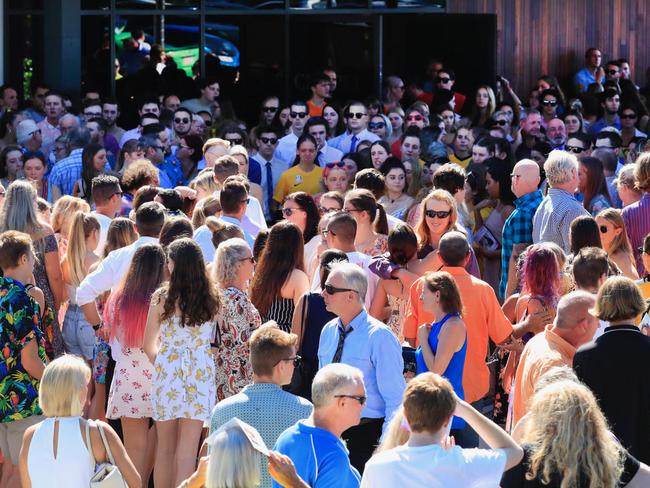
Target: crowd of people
(430,289)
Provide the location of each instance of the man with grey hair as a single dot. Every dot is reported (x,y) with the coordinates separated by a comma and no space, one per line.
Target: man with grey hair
(559,208)
(314,444)
(67,171)
(357,339)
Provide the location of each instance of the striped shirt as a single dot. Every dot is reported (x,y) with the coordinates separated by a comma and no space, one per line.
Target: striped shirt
(637,222)
(554,216)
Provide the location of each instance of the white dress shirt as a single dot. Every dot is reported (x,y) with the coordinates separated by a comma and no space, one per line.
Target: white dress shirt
(344,142)
(286,150)
(328,154)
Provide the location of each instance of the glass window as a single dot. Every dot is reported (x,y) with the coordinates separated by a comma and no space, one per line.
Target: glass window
(327,4)
(95,4)
(181,4)
(24,61)
(24,4)
(438,4)
(133,37)
(244,4)
(136,4)
(180,39)
(96,53)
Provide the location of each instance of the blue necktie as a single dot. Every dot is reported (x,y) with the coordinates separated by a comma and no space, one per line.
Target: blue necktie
(269,187)
(353,144)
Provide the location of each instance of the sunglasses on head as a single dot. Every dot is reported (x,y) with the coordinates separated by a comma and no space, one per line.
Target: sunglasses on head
(575,149)
(441,214)
(336,164)
(332,290)
(552,103)
(376,125)
(181,121)
(269,140)
(301,115)
(443,80)
(355,115)
(270,109)
(235,142)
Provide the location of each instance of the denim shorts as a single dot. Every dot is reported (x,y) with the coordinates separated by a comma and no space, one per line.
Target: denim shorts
(78,334)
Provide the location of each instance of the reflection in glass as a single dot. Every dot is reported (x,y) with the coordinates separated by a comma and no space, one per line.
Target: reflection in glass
(23,4)
(327,4)
(135,4)
(133,38)
(96,53)
(180,39)
(95,4)
(181,4)
(245,4)
(439,4)
(24,61)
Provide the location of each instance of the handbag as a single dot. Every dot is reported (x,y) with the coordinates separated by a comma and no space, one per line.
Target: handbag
(301,380)
(107,475)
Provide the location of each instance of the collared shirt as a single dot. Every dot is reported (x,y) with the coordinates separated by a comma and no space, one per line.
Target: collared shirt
(518,229)
(601,123)
(584,78)
(286,150)
(110,271)
(541,353)
(174,170)
(268,408)
(65,173)
(130,134)
(344,142)
(277,168)
(328,154)
(554,216)
(49,133)
(248,237)
(373,348)
(637,222)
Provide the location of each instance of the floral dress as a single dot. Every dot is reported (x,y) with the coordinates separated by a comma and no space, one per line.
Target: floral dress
(183,379)
(377,247)
(50,323)
(237,320)
(395,321)
(130,394)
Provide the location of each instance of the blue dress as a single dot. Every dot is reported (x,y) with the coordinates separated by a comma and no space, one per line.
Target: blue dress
(454,371)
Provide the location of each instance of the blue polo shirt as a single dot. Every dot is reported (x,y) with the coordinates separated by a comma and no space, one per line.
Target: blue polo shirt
(321,458)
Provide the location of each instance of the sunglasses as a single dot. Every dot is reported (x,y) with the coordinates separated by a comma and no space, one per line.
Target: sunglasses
(603,229)
(443,80)
(269,140)
(235,142)
(247,200)
(296,360)
(376,125)
(628,116)
(325,210)
(301,115)
(182,121)
(417,118)
(288,212)
(251,259)
(441,214)
(552,103)
(92,114)
(355,115)
(337,164)
(501,122)
(574,149)
(612,71)
(332,290)
(361,399)
(270,109)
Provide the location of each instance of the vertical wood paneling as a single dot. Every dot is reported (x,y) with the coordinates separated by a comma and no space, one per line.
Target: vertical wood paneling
(536,37)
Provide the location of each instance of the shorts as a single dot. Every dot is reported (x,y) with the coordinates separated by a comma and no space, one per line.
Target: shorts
(78,334)
(100,361)
(11,436)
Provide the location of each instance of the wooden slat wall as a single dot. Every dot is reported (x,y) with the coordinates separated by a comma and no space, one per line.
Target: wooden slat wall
(536,37)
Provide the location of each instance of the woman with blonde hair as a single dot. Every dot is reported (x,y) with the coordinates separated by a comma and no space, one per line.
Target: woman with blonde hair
(482,108)
(204,184)
(63,449)
(62,212)
(209,206)
(78,334)
(567,443)
(613,236)
(438,215)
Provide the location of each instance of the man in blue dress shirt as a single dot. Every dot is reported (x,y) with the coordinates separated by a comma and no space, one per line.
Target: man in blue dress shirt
(357,122)
(357,339)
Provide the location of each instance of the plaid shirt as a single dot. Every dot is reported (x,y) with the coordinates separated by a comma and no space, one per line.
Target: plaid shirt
(554,216)
(518,229)
(65,173)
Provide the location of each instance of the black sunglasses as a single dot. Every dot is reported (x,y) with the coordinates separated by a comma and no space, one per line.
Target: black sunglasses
(417,118)
(612,71)
(628,116)
(181,121)
(603,229)
(337,164)
(575,149)
(332,290)
(288,212)
(247,200)
(270,109)
(269,140)
(443,80)
(376,125)
(325,210)
(361,398)
(293,115)
(501,122)
(441,214)
(552,103)
(236,142)
(355,115)
(296,360)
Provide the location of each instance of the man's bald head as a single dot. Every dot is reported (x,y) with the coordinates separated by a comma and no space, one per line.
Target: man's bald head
(574,322)
(525,177)
(453,249)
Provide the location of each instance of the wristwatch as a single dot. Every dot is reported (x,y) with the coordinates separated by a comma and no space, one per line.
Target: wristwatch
(98,326)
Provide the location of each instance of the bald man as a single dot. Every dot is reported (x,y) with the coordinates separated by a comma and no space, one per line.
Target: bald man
(574,326)
(518,228)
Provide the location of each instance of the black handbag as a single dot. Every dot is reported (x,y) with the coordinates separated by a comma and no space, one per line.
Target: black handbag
(302,375)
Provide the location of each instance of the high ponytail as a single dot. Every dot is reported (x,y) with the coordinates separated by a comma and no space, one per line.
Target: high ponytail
(83,225)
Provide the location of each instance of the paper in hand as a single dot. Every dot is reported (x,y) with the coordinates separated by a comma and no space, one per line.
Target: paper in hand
(249,431)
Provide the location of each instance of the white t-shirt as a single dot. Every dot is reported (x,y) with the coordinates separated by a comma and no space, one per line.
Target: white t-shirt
(104,223)
(435,467)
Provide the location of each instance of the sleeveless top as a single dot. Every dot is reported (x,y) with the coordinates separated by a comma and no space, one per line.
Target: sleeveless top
(454,371)
(73,465)
(281,311)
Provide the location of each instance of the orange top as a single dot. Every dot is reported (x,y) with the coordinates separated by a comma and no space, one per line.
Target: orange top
(542,352)
(315,110)
(483,318)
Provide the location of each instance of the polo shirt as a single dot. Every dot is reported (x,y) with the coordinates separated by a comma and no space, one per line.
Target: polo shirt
(296,179)
(541,353)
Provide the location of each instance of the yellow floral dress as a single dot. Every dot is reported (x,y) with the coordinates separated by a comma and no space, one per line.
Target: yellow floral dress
(184,377)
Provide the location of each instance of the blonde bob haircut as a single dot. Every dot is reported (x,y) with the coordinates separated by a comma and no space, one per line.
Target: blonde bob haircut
(619,299)
(233,461)
(422,229)
(61,385)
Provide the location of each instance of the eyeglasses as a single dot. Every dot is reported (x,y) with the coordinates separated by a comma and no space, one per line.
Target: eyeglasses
(250,258)
(301,115)
(640,250)
(270,109)
(603,229)
(501,122)
(417,118)
(575,149)
(552,103)
(336,164)
(332,290)
(360,398)
(236,141)
(441,214)
(288,212)
(296,361)
(247,200)
(376,125)
(269,140)
(92,114)
(324,232)
(443,80)
(612,71)
(399,87)
(2,193)
(118,193)
(628,116)
(181,121)
(351,210)
(355,115)
(515,176)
